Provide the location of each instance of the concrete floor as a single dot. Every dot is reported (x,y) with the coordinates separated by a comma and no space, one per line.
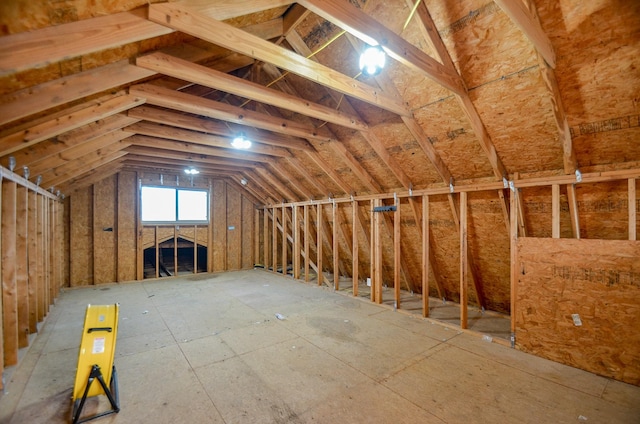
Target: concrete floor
(208,348)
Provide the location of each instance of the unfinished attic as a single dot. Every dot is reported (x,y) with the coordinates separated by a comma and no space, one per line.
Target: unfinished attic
(484,180)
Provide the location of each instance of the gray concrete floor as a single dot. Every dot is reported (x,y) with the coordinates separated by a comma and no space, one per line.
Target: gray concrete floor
(208,348)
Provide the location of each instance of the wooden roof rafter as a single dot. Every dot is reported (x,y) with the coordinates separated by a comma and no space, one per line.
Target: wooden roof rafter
(185,19)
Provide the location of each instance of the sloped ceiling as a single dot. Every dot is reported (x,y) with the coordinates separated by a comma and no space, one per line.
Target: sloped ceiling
(474,91)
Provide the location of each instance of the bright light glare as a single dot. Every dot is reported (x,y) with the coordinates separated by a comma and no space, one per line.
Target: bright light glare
(191,171)
(241,143)
(158,204)
(372,60)
(192,205)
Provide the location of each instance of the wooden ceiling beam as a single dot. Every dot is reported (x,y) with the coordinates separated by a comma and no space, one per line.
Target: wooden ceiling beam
(276,184)
(171,99)
(523,15)
(367,29)
(93,176)
(102,128)
(184,19)
(302,170)
(191,122)
(331,172)
(338,148)
(32,100)
(227,9)
(284,175)
(80,167)
(93,111)
(76,151)
(253,179)
(40,47)
(191,151)
(202,75)
(176,160)
(173,133)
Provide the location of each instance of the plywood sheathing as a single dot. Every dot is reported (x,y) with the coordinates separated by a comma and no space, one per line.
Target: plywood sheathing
(595,279)
(602,112)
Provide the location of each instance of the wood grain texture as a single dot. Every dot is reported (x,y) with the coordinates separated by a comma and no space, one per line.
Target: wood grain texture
(597,279)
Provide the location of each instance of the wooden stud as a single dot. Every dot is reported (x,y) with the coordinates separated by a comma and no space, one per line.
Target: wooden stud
(555,211)
(296,242)
(372,248)
(41,256)
(256,239)
(1,294)
(306,242)
(265,239)
(632,208)
(464,265)
(274,240)
(396,254)
(319,241)
(573,210)
(175,250)
(9,286)
(425,256)
(355,219)
(285,263)
(377,241)
(336,267)
(22,228)
(33,261)
(513,237)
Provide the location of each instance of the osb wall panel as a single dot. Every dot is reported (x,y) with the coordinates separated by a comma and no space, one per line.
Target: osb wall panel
(126,235)
(81,237)
(104,231)
(489,246)
(218,252)
(598,280)
(446,246)
(248,234)
(234,230)
(603,210)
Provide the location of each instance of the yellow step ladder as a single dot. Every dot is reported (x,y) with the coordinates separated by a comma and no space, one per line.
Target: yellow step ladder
(95,361)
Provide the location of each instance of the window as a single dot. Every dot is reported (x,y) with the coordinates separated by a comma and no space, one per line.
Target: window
(169,205)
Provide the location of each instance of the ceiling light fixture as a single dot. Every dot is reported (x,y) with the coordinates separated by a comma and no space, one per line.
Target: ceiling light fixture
(191,171)
(241,142)
(372,60)
(243,181)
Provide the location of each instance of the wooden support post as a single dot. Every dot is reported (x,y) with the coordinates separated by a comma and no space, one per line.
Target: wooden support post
(372,249)
(573,210)
(377,241)
(319,241)
(274,240)
(555,211)
(139,233)
(256,238)
(265,239)
(155,235)
(22,289)
(513,237)
(306,242)
(41,259)
(296,242)
(396,254)
(175,250)
(425,256)
(285,264)
(355,217)
(336,264)
(632,208)
(33,262)
(463,261)
(195,251)
(47,256)
(9,288)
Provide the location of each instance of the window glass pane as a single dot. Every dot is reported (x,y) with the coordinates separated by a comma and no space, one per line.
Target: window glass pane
(192,205)
(158,204)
